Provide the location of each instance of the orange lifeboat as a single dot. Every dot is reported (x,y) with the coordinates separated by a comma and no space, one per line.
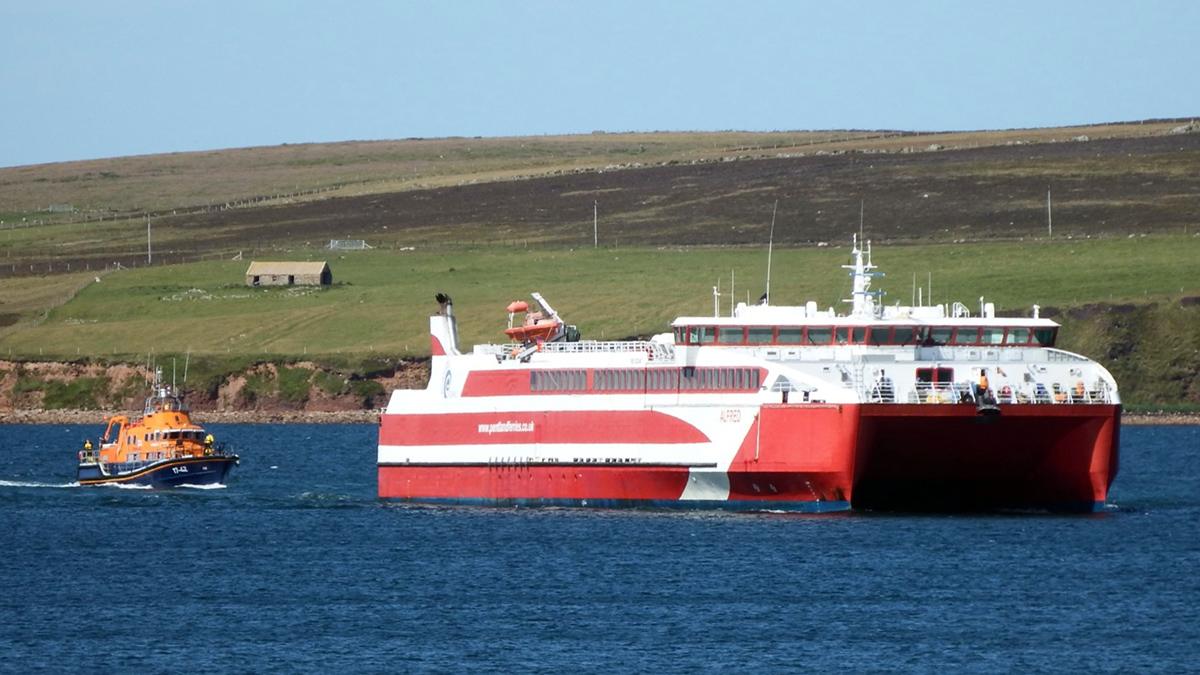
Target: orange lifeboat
(163,448)
(537,327)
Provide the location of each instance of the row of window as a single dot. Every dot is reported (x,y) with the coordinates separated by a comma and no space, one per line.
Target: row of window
(188,435)
(865,335)
(652,379)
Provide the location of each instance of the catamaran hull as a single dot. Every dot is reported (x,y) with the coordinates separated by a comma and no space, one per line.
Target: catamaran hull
(1059,458)
(801,457)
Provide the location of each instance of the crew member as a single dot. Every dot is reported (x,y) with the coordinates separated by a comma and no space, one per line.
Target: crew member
(208,444)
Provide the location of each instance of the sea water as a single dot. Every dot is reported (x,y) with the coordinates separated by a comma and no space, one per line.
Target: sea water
(296,566)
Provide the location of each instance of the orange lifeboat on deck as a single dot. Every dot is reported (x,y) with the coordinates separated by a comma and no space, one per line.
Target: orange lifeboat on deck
(537,327)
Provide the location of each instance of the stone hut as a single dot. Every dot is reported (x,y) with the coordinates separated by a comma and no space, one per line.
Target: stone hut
(288,274)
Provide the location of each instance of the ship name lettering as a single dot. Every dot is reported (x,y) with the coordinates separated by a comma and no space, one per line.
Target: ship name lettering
(505,427)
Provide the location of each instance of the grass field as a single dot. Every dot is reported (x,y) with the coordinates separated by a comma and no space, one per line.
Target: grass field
(380,299)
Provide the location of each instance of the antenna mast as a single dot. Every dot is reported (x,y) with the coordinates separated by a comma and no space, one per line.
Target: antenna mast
(149,257)
(860,220)
(770,246)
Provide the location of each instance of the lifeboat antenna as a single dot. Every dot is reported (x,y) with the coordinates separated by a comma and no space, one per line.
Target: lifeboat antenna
(187,357)
(770,246)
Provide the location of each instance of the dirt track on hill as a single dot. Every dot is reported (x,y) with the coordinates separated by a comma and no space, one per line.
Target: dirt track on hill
(1110,186)
(1101,187)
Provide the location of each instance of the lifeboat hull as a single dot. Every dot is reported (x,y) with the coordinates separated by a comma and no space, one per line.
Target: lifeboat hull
(166,473)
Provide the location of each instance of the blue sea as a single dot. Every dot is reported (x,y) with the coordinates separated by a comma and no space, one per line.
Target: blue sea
(296,566)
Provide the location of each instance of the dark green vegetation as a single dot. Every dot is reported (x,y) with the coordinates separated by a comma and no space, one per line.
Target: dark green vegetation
(492,219)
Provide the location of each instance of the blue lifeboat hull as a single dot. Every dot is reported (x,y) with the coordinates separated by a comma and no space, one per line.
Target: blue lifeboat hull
(163,473)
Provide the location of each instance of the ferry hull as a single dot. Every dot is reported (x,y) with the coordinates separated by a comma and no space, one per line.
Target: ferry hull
(600,487)
(1059,458)
(164,474)
(806,457)
(785,458)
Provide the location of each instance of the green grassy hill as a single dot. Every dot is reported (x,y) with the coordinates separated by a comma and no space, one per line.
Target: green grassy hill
(493,219)
(380,299)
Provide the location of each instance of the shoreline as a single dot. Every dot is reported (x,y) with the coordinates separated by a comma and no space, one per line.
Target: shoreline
(38,416)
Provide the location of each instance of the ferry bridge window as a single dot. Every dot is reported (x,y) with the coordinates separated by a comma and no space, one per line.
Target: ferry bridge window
(1044,336)
(879,336)
(731,335)
(819,336)
(705,335)
(992,336)
(940,335)
(904,335)
(1017,336)
(680,335)
(850,335)
(759,336)
(966,336)
(790,336)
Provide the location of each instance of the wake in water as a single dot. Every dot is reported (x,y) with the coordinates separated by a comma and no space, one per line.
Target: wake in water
(28,484)
(119,486)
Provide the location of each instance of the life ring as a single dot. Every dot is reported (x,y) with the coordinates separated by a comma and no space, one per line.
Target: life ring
(1006,392)
(1079,389)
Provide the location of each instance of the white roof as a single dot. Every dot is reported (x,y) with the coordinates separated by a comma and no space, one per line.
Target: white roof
(275,268)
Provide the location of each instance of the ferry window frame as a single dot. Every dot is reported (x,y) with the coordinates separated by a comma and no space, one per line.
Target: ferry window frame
(934,374)
(879,335)
(991,336)
(1015,330)
(798,331)
(753,332)
(841,335)
(731,335)
(707,335)
(941,335)
(960,330)
(1050,333)
(911,335)
(810,339)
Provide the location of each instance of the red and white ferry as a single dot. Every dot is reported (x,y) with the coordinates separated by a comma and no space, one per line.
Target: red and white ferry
(773,407)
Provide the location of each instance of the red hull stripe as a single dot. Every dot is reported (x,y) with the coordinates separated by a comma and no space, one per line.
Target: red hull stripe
(618,426)
(500,483)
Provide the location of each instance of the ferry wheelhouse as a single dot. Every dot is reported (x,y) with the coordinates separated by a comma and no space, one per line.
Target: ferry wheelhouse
(773,407)
(163,448)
